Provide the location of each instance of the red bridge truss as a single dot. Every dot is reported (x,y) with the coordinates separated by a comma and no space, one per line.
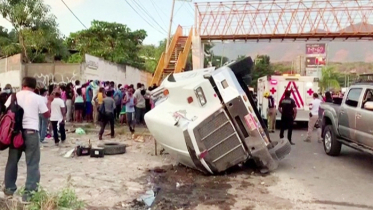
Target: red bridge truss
(285,20)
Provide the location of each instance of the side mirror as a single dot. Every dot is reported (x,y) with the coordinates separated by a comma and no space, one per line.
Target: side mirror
(368,105)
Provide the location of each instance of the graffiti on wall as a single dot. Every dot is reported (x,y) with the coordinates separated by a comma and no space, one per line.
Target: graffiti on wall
(44,80)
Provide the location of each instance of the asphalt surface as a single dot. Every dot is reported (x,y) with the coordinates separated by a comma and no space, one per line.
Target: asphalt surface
(308,175)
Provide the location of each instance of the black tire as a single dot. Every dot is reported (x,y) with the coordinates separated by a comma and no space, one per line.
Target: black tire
(113,148)
(332,148)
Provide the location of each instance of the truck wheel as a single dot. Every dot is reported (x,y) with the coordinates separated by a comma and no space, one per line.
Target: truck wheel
(332,146)
(113,148)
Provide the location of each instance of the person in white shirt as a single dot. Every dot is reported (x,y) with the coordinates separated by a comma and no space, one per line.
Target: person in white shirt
(314,117)
(32,104)
(140,107)
(43,122)
(58,117)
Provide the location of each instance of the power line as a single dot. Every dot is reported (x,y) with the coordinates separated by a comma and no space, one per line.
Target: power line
(178,9)
(154,5)
(147,13)
(73,14)
(143,17)
(193,12)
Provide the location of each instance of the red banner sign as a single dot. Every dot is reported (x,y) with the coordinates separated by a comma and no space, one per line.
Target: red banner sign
(315,49)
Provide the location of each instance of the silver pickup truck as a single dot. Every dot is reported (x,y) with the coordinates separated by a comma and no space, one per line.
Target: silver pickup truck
(350,122)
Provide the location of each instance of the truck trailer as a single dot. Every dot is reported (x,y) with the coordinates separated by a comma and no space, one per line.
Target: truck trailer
(207,118)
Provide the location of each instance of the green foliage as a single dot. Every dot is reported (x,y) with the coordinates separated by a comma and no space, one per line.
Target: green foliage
(64,199)
(114,42)
(261,68)
(329,79)
(151,54)
(35,30)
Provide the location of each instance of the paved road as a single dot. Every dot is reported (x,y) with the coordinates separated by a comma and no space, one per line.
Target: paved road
(308,175)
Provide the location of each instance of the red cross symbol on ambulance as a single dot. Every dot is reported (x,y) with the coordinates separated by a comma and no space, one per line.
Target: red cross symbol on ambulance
(310,92)
(273,90)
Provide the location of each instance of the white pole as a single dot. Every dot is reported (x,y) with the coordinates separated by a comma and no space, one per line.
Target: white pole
(170,26)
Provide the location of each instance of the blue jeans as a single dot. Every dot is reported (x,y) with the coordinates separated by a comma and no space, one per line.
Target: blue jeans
(43,126)
(32,153)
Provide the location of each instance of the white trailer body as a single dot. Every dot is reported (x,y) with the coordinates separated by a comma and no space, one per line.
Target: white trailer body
(301,87)
(207,121)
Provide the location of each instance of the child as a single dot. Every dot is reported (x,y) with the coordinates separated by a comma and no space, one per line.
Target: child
(79,105)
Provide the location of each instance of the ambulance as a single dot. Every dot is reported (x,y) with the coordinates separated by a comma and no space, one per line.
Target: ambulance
(301,87)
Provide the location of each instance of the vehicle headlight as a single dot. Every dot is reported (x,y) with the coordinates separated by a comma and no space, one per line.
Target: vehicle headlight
(200,96)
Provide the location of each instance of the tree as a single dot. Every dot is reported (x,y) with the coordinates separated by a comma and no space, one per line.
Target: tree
(329,79)
(35,28)
(8,43)
(262,68)
(151,54)
(114,42)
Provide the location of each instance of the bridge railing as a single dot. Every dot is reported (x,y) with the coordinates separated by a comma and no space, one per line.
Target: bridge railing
(284,19)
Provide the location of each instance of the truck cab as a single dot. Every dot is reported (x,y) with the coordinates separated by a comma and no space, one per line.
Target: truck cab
(209,121)
(349,123)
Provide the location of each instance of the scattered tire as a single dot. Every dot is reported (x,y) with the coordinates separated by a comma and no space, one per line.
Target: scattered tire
(332,146)
(113,148)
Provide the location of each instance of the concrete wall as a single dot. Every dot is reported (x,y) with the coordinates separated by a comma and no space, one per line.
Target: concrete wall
(97,68)
(135,75)
(47,73)
(11,71)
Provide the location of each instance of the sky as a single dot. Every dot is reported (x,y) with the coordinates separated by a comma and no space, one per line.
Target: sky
(155,12)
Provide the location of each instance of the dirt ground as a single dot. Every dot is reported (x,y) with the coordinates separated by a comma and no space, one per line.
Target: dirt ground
(116,182)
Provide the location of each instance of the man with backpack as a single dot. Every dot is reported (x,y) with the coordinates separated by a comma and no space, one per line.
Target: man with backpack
(32,105)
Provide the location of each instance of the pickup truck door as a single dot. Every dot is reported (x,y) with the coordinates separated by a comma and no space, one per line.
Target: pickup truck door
(364,127)
(347,114)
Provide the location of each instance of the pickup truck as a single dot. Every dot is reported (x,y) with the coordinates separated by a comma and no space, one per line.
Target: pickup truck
(208,120)
(349,123)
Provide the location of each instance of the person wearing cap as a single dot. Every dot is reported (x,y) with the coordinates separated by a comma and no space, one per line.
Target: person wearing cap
(288,110)
(271,112)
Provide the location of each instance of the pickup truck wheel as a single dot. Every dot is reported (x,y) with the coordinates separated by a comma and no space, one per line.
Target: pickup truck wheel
(332,146)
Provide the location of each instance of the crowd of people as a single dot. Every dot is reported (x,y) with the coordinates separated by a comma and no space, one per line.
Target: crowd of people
(288,110)
(46,110)
(99,102)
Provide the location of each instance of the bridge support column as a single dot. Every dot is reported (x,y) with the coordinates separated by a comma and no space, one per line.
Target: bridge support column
(198,52)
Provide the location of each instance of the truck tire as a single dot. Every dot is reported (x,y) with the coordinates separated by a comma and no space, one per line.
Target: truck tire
(113,148)
(332,146)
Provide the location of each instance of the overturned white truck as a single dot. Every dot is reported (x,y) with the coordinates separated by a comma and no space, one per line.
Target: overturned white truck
(207,118)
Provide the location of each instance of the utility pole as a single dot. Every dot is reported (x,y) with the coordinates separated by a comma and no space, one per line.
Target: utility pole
(170,26)
(171,19)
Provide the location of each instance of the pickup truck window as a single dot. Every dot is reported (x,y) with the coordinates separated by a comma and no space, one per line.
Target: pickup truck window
(368,96)
(353,97)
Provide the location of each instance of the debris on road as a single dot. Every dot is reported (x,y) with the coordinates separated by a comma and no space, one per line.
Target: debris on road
(148,198)
(69,154)
(113,148)
(80,131)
